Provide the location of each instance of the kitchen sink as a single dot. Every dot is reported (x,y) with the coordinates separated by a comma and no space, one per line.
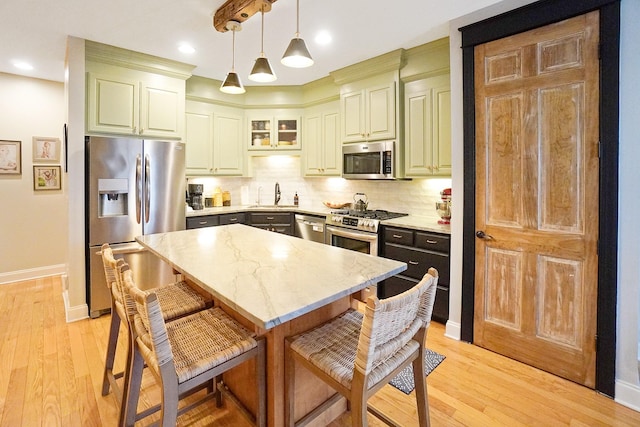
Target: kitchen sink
(271,206)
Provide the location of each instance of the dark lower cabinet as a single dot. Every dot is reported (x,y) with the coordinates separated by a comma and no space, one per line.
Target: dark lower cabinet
(213,220)
(280,222)
(233,218)
(420,250)
(202,221)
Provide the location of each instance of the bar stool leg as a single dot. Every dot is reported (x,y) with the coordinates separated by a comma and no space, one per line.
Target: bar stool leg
(114,330)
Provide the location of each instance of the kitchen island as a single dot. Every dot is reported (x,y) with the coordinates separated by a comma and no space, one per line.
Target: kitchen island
(275,284)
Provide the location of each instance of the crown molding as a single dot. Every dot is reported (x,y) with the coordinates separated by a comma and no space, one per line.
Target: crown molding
(391,61)
(98,52)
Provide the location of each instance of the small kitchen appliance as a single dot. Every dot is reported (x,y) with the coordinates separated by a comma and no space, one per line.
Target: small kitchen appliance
(196,199)
(444,207)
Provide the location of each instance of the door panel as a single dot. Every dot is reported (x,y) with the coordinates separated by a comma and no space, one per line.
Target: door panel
(537,197)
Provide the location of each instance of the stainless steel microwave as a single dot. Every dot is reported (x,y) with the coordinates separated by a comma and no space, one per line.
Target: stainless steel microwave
(369,160)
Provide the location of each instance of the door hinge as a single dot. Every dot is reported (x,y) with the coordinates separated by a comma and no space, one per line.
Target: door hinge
(599,150)
(596,342)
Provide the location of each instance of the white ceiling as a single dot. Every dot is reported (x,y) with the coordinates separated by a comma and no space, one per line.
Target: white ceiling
(35,31)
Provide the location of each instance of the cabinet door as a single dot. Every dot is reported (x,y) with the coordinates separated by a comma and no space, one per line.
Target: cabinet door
(381,112)
(199,144)
(228,149)
(313,161)
(162,110)
(418,130)
(287,133)
(442,131)
(353,122)
(331,146)
(428,127)
(112,104)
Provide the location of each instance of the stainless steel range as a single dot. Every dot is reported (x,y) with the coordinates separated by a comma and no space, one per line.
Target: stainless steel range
(356,230)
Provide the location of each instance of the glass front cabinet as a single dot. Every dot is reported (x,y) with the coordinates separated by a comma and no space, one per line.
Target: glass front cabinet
(280,133)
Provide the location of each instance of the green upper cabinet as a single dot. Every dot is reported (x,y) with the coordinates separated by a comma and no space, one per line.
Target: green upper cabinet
(427,111)
(228,147)
(199,143)
(129,93)
(322,155)
(369,111)
(126,106)
(274,131)
(214,140)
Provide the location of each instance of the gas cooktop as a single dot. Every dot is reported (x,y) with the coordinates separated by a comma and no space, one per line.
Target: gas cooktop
(380,215)
(361,220)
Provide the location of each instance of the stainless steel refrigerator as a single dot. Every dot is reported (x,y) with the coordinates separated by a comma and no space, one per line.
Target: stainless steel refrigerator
(133,187)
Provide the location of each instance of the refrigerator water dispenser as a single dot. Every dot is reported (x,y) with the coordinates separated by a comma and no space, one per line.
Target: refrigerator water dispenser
(112,197)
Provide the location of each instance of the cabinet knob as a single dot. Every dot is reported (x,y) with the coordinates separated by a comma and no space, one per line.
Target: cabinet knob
(135,129)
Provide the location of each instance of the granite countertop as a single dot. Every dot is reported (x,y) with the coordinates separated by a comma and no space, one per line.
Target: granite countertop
(415,222)
(267,277)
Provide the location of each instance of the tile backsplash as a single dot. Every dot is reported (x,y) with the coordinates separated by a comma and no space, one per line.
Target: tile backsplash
(416,197)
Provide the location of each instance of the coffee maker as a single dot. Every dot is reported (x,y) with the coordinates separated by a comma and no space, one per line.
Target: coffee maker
(195,197)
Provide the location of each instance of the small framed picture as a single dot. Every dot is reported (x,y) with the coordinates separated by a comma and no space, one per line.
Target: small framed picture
(46,150)
(10,157)
(47,178)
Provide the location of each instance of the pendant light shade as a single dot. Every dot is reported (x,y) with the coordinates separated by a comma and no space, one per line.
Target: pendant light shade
(261,71)
(297,55)
(232,83)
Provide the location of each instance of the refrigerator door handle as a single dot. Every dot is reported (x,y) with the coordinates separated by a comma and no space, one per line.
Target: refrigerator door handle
(147,188)
(138,188)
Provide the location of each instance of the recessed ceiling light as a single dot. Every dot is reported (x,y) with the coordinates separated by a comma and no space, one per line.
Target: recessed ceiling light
(323,37)
(22,65)
(186,48)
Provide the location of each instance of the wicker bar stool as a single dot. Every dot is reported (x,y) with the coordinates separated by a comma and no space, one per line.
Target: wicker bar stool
(187,353)
(177,299)
(357,354)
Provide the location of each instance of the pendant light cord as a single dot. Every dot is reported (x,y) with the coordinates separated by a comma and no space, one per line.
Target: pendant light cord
(233,51)
(298,18)
(262,33)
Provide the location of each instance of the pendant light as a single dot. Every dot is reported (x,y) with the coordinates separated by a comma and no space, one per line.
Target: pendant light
(262,71)
(297,55)
(232,83)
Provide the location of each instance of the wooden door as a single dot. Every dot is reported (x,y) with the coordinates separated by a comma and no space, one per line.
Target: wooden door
(537,197)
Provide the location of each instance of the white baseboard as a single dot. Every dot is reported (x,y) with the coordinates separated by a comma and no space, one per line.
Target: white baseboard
(32,273)
(628,394)
(73,314)
(452,330)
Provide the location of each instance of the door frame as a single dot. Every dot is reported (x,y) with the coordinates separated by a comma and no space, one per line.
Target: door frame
(519,20)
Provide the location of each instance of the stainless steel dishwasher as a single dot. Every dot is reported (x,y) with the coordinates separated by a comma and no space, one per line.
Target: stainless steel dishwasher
(310,227)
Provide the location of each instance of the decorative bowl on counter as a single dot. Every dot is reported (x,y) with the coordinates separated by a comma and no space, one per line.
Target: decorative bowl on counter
(336,205)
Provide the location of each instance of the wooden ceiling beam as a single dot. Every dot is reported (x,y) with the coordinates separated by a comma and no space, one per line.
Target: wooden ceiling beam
(238,10)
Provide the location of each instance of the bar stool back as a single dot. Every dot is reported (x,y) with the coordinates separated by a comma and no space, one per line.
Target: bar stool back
(357,354)
(188,352)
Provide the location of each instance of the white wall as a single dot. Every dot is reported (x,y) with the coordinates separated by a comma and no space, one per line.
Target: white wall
(627,383)
(33,223)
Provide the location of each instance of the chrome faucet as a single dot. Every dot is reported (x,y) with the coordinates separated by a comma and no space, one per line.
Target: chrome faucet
(277,194)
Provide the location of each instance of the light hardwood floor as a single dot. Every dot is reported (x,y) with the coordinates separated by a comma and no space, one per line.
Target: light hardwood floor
(51,375)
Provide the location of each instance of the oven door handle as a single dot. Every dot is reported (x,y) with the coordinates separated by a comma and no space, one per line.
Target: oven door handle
(367,237)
